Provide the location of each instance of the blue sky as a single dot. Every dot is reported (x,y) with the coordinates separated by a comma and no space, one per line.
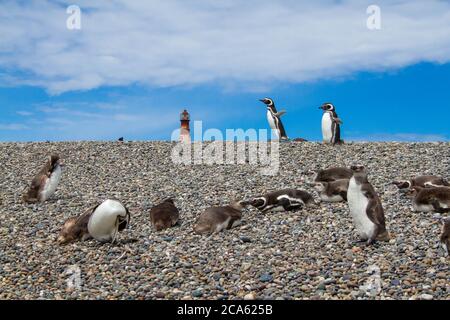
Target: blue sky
(133,78)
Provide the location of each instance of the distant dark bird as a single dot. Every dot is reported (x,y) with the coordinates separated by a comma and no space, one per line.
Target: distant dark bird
(120,139)
(44,184)
(274,118)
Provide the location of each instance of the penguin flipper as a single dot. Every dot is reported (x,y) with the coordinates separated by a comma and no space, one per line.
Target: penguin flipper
(281,113)
(338,120)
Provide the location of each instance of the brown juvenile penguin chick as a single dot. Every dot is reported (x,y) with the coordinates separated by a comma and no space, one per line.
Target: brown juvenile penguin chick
(334,191)
(430,199)
(44,184)
(328,175)
(75,229)
(216,219)
(421,181)
(165,215)
(445,237)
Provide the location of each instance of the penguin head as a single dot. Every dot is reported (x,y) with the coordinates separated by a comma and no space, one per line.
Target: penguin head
(327,107)
(359,170)
(55,160)
(320,186)
(69,232)
(267,101)
(402,184)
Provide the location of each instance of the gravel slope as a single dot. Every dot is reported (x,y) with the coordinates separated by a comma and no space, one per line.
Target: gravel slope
(302,255)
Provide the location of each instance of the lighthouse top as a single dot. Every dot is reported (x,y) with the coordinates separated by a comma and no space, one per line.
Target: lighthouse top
(185,116)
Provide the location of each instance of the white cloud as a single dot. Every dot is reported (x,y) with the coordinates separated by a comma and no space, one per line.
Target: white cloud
(13,127)
(24,113)
(239,44)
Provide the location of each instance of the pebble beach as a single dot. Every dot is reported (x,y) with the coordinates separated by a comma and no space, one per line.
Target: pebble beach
(307,254)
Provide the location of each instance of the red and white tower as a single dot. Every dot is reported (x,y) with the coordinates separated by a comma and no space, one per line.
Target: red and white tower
(185,131)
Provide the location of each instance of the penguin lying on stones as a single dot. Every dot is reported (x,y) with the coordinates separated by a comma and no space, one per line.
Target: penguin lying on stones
(217,219)
(329,175)
(334,191)
(165,215)
(366,208)
(274,119)
(45,183)
(422,181)
(102,223)
(331,125)
(430,199)
(283,200)
(445,237)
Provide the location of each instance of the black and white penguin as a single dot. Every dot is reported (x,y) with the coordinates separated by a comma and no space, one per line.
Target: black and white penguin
(217,219)
(328,175)
(366,208)
(45,183)
(334,191)
(445,236)
(430,199)
(283,200)
(331,125)
(422,181)
(164,215)
(103,223)
(274,119)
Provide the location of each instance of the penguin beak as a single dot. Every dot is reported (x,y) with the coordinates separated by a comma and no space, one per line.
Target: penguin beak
(262,100)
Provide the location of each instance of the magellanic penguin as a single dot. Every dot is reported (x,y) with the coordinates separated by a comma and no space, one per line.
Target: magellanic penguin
(274,119)
(164,215)
(329,175)
(422,181)
(445,237)
(102,223)
(431,199)
(283,200)
(366,208)
(334,191)
(44,184)
(217,219)
(331,125)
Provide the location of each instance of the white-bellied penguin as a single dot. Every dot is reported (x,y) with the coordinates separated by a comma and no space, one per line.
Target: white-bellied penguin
(274,119)
(45,183)
(331,125)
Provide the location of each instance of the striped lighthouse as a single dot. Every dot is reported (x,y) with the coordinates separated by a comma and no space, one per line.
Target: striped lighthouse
(185,131)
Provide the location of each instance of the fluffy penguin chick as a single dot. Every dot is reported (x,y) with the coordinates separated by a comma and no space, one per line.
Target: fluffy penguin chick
(329,175)
(422,181)
(430,199)
(335,191)
(165,215)
(216,219)
(75,229)
(44,184)
(445,237)
(366,208)
(283,200)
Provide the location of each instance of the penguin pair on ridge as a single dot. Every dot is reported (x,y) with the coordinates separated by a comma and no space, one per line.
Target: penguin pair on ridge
(331,123)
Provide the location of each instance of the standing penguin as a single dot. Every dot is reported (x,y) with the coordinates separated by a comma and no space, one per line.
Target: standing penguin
(165,215)
(331,125)
(274,118)
(366,208)
(44,184)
